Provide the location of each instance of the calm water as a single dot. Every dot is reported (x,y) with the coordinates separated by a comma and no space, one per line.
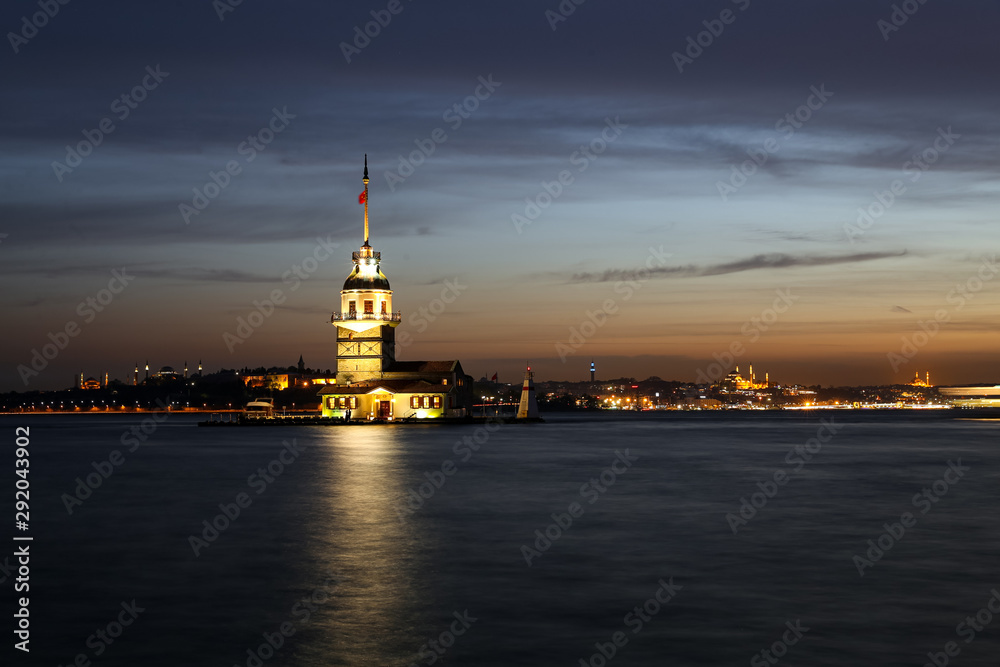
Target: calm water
(379,582)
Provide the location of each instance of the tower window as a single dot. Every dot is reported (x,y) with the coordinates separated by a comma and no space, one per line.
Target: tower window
(369,306)
(414,401)
(352,306)
(437,401)
(383,307)
(427,401)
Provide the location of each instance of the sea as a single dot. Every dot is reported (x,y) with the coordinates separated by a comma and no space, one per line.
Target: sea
(738,538)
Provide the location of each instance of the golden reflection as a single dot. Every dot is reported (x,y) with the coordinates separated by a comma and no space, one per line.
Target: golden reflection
(362,539)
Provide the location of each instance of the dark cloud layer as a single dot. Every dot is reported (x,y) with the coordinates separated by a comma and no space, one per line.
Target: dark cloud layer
(768,261)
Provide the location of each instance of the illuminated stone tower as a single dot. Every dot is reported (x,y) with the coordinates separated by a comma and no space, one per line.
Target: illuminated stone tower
(366,323)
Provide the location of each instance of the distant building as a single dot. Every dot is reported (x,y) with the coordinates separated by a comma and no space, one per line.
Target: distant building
(370,382)
(167,373)
(277,381)
(91,382)
(736,382)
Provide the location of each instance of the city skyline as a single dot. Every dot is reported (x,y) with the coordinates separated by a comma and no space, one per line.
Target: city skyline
(544,183)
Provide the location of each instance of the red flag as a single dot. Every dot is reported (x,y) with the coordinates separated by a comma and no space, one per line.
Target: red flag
(494,377)
(363,197)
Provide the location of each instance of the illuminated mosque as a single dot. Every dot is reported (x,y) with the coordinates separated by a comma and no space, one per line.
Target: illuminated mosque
(370,382)
(734,381)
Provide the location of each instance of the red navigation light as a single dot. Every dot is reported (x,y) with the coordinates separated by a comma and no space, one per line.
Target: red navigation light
(635,386)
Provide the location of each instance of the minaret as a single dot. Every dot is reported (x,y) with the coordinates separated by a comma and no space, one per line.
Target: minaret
(185,370)
(593,369)
(366,336)
(135,376)
(147,369)
(528,409)
(199,367)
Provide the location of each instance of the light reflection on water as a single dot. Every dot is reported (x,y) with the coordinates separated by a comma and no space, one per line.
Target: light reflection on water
(335,510)
(358,535)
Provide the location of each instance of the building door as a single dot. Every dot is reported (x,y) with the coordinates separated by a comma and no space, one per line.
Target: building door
(384,409)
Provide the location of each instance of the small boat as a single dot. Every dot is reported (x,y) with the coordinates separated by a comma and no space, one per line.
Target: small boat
(259,408)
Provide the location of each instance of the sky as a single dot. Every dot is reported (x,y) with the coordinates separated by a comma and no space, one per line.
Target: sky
(668,188)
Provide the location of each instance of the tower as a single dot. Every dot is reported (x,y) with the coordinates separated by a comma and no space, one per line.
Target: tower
(528,409)
(593,369)
(147,369)
(185,370)
(366,324)
(135,376)
(199,367)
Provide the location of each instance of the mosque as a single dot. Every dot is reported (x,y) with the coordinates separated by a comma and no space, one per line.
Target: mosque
(370,382)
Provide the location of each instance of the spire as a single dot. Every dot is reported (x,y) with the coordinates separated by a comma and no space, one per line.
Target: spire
(365,180)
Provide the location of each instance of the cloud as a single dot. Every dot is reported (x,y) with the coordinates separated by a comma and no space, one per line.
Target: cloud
(763,261)
(198,274)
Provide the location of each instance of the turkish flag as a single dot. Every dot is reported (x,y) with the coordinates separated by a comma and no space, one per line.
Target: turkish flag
(494,377)
(363,197)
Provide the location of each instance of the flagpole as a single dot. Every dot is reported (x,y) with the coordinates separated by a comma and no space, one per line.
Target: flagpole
(366,198)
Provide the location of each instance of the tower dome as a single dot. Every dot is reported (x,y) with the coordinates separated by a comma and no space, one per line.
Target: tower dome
(366,274)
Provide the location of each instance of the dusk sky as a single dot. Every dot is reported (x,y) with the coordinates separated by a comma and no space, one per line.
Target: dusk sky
(881,95)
